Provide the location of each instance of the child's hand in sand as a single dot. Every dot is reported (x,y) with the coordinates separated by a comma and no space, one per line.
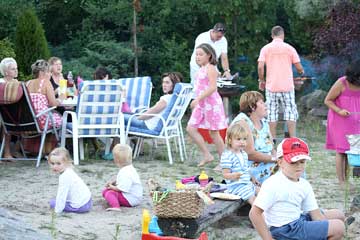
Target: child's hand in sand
(110,183)
(112,187)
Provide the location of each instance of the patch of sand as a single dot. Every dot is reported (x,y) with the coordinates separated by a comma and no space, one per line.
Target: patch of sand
(26,190)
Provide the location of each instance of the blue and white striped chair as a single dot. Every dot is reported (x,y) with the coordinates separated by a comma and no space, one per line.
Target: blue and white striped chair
(138,92)
(169,124)
(98,115)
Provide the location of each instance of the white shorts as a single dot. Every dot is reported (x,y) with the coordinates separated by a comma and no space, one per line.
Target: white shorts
(281,100)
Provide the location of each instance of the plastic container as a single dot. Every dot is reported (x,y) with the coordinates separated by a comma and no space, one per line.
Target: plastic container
(154,226)
(203,179)
(145,221)
(353,159)
(179,185)
(62,87)
(70,85)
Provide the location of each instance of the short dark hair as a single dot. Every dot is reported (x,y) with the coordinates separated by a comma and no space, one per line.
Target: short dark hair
(219,27)
(353,73)
(277,31)
(101,72)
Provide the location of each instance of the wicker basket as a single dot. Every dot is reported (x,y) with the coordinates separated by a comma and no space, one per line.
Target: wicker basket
(178,204)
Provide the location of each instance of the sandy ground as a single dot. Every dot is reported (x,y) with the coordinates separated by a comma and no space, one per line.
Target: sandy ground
(26,190)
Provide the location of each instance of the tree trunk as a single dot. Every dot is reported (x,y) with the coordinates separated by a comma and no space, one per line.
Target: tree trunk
(136,67)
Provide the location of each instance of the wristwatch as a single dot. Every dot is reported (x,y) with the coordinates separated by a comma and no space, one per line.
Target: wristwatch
(227,70)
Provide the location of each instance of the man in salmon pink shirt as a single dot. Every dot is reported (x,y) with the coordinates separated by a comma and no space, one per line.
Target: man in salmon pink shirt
(278,57)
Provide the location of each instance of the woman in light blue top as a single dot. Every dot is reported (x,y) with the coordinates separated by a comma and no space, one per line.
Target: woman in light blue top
(259,145)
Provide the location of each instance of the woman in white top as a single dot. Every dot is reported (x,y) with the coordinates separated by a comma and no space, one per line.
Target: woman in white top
(9,70)
(148,122)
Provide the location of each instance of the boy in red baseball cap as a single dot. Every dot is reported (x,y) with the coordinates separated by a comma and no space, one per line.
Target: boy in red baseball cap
(286,208)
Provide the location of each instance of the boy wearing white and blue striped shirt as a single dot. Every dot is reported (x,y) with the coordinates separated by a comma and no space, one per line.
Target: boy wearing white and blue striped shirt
(234,164)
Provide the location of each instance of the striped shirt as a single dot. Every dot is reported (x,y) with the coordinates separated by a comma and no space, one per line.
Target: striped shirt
(238,163)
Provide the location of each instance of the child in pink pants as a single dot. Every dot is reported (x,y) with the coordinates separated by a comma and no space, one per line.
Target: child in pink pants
(126,190)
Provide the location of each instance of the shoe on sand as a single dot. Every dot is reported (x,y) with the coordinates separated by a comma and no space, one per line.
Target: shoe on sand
(108,157)
(349,220)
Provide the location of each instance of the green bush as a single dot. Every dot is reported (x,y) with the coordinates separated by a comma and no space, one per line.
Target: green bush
(30,41)
(6,49)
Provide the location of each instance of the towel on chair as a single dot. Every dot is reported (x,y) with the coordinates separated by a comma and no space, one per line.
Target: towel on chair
(10,92)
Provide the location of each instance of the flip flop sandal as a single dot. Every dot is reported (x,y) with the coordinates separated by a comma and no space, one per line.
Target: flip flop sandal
(108,157)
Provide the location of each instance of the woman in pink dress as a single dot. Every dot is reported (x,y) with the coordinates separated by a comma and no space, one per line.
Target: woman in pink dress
(208,110)
(343,119)
(42,93)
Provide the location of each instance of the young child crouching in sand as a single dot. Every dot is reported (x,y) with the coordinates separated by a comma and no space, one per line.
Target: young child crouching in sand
(73,195)
(234,164)
(286,208)
(127,190)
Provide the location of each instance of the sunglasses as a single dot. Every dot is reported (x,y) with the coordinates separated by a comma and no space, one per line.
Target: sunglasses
(220,30)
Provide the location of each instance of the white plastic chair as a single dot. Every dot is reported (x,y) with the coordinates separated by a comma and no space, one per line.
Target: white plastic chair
(98,115)
(169,124)
(138,92)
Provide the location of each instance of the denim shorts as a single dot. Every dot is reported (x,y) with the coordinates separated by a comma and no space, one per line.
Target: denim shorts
(302,228)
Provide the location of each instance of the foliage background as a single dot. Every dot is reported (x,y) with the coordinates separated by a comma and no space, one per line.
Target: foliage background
(90,33)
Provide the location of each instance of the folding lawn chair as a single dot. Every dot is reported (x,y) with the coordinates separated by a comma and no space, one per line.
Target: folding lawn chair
(169,124)
(98,115)
(138,92)
(18,118)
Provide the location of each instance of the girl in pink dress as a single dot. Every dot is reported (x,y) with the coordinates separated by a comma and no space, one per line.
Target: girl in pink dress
(42,93)
(208,110)
(343,119)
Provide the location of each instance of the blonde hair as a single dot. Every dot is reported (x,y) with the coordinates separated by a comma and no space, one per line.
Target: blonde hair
(52,60)
(248,101)
(235,131)
(62,153)
(40,66)
(122,154)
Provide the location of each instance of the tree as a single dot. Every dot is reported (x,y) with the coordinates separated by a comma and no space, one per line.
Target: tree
(337,41)
(6,49)
(340,31)
(10,10)
(30,41)
(60,18)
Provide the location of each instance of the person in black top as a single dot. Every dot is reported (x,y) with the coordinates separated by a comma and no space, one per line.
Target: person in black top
(56,72)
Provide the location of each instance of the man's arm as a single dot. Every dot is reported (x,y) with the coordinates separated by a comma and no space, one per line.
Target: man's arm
(257,219)
(225,65)
(261,75)
(299,68)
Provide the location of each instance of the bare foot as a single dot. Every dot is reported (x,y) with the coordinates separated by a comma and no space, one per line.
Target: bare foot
(18,154)
(114,209)
(8,158)
(206,161)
